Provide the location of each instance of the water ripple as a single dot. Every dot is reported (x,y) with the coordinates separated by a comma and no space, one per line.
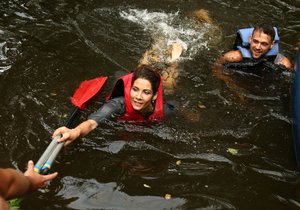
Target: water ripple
(90,194)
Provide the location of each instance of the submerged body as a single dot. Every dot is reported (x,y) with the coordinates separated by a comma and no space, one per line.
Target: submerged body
(166,53)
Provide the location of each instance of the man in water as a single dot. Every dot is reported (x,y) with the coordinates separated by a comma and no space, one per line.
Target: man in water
(15,184)
(261,43)
(252,46)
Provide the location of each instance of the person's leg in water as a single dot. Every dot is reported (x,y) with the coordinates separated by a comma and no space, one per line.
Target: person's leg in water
(203,16)
(171,73)
(166,58)
(214,36)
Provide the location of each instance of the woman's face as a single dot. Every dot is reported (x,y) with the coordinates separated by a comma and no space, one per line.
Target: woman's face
(141,94)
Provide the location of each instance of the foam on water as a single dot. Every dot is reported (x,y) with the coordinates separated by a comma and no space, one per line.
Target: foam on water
(172,27)
(8,50)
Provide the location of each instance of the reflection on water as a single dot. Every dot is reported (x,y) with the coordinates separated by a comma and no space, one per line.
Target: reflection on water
(90,194)
(216,152)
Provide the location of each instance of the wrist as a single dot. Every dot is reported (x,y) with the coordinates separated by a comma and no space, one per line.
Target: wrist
(30,186)
(76,132)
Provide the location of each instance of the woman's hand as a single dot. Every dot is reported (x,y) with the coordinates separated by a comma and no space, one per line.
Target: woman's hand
(69,135)
(66,135)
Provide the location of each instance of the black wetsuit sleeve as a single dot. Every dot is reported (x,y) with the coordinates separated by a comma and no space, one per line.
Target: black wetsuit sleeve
(113,107)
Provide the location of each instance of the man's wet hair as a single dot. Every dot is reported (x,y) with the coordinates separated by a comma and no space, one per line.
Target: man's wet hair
(148,73)
(266,29)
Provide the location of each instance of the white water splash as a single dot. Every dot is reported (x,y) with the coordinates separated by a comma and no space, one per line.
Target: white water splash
(173,28)
(4,61)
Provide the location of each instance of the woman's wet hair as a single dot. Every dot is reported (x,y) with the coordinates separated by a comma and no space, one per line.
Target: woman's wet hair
(266,29)
(148,73)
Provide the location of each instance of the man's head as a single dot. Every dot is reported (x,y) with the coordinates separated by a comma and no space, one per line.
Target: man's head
(262,40)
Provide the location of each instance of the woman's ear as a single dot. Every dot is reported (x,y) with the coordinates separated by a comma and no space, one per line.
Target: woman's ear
(154,97)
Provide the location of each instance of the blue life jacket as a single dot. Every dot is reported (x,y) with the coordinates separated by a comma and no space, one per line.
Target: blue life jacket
(242,44)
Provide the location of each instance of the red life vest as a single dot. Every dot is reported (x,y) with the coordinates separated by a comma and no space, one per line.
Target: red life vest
(131,114)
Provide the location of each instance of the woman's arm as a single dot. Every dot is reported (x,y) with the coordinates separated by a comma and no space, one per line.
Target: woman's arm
(111,108)
(69,135)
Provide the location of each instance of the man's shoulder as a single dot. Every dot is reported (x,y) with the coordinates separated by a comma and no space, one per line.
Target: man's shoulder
(281,59)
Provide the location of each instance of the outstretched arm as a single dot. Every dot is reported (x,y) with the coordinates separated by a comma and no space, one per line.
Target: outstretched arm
(231,56)
(112,108)
(217,70)
(15,184)
(69,135)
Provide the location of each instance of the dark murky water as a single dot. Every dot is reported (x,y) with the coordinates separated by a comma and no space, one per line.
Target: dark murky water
(49,47)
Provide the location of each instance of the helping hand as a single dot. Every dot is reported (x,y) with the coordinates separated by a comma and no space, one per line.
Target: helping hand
(37,180)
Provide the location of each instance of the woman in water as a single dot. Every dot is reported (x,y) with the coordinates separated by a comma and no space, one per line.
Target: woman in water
(136,97)
(139,95)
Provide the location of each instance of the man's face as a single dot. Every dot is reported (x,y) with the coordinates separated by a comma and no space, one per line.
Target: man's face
(260,44)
